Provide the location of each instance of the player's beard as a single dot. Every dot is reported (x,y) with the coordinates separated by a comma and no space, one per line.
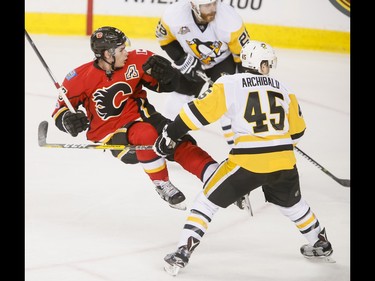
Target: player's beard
(208,17)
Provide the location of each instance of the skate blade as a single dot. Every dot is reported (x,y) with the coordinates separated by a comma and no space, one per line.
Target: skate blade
(327,259)
(248,205)
(171,269)
(179,206)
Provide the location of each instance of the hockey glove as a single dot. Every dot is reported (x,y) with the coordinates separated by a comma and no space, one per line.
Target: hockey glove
(164,145)
(188,66)
(74,123)
(160,68)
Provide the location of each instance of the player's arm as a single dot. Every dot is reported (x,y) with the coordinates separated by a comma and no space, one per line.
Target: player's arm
(238,39)
(169,78)
(206,109)
(168,41)
(297,125)
(174,50)
(160,69)
(186,63)
(67,121)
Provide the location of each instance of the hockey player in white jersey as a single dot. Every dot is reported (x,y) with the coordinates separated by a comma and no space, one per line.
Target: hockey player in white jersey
(201,36)
(267,122)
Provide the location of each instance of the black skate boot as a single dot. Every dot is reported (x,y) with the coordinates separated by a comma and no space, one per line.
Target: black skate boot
(168,192)
(322,248)
(179,259)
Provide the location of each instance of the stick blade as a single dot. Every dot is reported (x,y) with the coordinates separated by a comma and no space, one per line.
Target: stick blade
(344,182)
(42,133)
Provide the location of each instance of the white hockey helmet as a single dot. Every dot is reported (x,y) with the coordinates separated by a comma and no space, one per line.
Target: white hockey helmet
(254,52)
(195,6)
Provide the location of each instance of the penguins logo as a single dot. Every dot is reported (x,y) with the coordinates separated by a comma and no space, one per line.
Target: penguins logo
(205,51)
(111,101)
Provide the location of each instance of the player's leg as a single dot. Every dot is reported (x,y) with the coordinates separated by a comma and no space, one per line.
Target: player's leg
(142,133)
(284,191)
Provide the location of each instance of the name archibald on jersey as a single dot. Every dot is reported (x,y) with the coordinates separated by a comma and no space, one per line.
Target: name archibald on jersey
(260,81)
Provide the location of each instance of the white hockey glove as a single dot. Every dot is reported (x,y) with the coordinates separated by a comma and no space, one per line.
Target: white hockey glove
(188,66)
(164,145)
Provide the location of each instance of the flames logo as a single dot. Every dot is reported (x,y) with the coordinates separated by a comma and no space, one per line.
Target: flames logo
(111,101)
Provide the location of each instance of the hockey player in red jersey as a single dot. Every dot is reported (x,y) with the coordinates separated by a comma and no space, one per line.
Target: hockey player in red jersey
(111,104)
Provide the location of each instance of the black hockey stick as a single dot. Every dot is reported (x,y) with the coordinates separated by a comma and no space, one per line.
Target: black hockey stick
(343,182)
(57,85)
(42,141)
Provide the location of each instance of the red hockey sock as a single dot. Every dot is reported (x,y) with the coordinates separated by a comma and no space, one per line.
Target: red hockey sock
(193,158)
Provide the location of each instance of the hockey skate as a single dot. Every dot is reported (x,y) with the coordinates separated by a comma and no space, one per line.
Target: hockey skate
(321,251)
(169,193)
(179,259)
(244,203)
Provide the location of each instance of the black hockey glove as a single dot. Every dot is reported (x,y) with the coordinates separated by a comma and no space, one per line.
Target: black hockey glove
(160,68)
(188,66)
(74,123)
(164,145)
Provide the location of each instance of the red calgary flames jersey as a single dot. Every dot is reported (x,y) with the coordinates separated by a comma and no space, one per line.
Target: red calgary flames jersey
(109,103)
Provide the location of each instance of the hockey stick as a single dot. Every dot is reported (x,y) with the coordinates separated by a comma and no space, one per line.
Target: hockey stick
(57,85)
(43,126)
(343,182)
(42,140)
(205,77)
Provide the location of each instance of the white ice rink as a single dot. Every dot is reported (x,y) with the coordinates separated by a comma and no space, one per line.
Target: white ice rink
(88,217)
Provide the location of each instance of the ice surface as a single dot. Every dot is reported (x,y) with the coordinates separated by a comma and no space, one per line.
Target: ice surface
(88,217)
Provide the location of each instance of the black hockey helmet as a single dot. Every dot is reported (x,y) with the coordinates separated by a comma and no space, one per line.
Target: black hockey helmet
(107,38)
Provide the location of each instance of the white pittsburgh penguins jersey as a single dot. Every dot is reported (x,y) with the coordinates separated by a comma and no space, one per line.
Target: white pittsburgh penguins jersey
(266,119)
(224,36)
